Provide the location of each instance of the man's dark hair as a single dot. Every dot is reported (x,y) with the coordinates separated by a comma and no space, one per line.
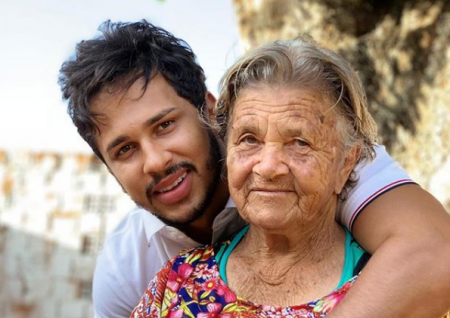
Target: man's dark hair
(123,54)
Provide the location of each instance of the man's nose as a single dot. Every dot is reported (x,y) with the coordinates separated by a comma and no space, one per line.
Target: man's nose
(271,163)
(157,158)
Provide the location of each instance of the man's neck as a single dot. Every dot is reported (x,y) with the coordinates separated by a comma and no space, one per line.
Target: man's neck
(202,229)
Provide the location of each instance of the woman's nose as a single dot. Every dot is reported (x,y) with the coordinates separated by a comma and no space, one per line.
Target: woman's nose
(271,163)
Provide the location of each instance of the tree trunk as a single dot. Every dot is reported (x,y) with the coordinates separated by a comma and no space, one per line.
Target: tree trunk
(401,50)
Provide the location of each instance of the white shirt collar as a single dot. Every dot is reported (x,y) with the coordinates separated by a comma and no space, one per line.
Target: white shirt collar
(154,225)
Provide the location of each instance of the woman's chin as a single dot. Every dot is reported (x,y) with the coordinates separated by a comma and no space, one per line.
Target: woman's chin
(269,221)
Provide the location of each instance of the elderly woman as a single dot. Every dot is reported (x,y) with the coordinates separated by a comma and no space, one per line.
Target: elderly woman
(295,122)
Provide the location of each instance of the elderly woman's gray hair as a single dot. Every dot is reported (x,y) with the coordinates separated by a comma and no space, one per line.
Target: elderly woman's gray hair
(300,63)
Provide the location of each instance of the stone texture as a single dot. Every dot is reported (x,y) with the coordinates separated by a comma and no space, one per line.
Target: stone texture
(55,211)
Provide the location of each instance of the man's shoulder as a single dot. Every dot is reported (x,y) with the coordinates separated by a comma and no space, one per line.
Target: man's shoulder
(125,265)
(127,244)
(133,219)
(137,225)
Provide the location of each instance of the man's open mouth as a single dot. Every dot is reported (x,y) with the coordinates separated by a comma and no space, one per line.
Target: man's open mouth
(173,185)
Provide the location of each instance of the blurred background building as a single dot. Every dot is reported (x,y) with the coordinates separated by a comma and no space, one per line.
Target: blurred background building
(55,212)
(57,202)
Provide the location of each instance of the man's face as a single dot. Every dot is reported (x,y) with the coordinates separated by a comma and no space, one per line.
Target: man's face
(158,150)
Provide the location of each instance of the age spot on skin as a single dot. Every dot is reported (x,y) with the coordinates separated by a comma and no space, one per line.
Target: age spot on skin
(321,118)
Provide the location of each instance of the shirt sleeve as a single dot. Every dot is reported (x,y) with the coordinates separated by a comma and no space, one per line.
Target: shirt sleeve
(107,291)
(127,262)
(374,178)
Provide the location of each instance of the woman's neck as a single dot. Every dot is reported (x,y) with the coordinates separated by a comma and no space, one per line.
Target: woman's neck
(292,266)
(307,245)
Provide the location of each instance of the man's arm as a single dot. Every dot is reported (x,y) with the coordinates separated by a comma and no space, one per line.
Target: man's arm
(108,295)
(408,232)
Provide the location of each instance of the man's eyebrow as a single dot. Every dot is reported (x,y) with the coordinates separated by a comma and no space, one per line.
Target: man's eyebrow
(158,117)
(117,141)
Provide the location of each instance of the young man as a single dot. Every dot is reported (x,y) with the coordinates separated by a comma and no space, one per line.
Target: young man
(139,99)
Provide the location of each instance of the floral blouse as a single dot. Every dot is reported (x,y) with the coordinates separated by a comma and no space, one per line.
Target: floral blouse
(190,286)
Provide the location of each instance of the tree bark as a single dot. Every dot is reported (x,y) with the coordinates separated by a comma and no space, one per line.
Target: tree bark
(401,50)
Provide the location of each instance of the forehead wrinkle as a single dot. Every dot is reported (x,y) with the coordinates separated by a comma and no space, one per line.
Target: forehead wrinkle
(298,106)
(297,119)
(275,107)
(303,108)
(250,120)
(303,129)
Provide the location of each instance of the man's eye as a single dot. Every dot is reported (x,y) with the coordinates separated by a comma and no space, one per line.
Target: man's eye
(164,125)
(124,150)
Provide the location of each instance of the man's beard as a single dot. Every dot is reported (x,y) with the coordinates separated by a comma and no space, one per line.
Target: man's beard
(214,165)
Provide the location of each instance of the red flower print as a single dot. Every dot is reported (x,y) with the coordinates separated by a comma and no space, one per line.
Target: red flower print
(223,290)
(210,284)
(214,312)
(176,314)
(327,303)
(193,289)
(203,271)
(177,278)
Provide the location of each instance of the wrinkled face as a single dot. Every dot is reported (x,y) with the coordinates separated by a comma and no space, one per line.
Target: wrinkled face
(285,162)
(158,150)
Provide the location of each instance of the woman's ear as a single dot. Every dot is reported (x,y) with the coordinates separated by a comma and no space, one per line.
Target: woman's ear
(351,158)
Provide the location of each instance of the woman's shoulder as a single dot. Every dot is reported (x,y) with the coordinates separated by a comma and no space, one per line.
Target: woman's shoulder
(195,254)
(187,260)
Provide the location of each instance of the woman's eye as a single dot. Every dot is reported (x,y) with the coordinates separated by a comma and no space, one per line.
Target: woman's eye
(249,140)
(301,143)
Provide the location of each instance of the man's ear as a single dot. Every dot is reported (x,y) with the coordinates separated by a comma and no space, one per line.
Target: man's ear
(210,104)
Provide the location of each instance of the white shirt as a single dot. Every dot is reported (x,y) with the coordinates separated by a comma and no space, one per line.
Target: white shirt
(140,245)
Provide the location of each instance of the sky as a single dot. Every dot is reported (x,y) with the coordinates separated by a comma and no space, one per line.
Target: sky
(37,36)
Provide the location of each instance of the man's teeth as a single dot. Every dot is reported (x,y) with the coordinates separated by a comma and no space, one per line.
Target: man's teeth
(173,185)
